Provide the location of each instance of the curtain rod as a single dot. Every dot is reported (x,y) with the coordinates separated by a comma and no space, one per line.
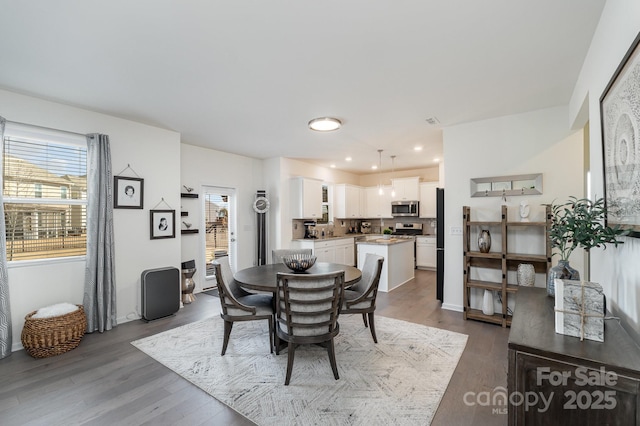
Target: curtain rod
(45,128)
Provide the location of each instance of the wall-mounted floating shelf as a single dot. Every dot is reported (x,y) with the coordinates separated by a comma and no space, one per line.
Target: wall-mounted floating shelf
(184,214)
(188,195)
(189,231)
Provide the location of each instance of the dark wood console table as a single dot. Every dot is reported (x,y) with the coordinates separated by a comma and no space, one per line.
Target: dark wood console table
(585,383)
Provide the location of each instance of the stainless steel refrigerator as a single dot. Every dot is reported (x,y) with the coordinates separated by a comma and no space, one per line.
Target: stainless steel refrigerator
(440,244)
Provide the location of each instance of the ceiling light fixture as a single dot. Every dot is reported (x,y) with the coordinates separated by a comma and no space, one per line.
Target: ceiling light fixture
(393,187)
(380,189)
(348,159)
(417,148)
(325,124)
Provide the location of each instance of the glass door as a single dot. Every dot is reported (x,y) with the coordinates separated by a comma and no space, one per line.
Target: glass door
(219,223)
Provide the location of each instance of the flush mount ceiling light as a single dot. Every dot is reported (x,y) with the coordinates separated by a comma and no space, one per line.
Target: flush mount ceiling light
(325,124)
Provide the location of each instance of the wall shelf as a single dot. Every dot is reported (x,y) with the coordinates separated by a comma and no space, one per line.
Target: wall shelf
(188,195)
(189,231)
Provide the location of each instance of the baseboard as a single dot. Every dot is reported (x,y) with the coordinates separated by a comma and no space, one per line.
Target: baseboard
(450,307)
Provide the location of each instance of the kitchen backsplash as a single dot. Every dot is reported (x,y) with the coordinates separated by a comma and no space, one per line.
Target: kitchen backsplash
(344,227)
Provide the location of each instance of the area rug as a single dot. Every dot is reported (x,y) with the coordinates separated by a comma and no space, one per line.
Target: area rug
(400,380)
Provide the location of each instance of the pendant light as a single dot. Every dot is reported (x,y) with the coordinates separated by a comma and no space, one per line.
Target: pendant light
(393,187)
(380,189)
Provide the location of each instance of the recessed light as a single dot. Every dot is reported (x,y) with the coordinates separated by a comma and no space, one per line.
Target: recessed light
(333,166)
(347,159)
(374,167)
(437,160)
(417,148)
(325,124)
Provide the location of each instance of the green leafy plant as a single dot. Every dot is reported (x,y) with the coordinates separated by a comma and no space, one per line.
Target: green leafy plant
(580,223)
(386,231)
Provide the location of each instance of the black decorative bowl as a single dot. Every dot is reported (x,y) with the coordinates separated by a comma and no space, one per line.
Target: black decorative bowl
(299,262)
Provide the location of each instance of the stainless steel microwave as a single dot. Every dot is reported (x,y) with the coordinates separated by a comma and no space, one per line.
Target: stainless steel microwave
(405,208)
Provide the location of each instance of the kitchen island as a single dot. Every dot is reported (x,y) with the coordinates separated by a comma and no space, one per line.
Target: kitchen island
(398,266)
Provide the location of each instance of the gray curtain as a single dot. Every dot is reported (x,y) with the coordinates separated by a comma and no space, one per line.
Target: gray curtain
(99,285)
(5,309)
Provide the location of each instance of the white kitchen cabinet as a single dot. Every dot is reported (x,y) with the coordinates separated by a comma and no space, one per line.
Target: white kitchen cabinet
(306,198)
(325,251)
(345,251)
(348,201)
(334,250)
(376,205)
(407,189)
(428,199)
(426,252)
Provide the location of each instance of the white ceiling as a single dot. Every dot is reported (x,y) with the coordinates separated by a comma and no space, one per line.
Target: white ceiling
(245,76)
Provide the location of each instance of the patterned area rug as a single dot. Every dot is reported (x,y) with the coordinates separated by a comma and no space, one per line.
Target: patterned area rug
(398,381)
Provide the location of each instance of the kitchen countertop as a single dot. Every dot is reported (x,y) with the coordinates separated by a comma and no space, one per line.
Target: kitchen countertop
(368,236)
(390,241)
(342,237)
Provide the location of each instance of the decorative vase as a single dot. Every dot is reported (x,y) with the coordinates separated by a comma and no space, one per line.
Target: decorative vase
(487,302)
(484,241)
(561,271)
(526,275)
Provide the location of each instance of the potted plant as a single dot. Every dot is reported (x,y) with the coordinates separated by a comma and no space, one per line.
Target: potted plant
(387,233)
(578,223)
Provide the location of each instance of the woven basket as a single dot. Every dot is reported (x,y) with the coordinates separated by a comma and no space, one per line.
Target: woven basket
(45,337)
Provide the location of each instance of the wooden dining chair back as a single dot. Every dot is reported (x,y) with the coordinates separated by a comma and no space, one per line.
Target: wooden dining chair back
(307,308)
(278,254)
(239,305)
(361,298)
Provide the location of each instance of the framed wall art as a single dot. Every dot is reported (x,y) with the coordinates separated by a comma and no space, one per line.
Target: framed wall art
(163,224)
(128,192)
(620,120)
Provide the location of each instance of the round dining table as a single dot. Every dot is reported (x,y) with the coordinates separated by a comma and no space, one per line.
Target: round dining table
(263,277)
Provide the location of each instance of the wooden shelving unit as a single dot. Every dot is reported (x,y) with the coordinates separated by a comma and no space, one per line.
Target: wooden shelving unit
(502,260)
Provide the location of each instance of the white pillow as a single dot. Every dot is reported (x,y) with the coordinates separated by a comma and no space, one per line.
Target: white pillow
(55,310)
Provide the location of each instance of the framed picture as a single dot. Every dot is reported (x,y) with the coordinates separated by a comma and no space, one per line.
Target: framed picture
(128,192)
(620,119)
(163,224)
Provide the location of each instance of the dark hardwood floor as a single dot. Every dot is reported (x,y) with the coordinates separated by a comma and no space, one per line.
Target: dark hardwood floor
(106,381)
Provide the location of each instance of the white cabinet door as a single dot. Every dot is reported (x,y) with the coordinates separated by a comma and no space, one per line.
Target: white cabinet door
(306,198)
(428,199)
(348,201)
(345,252)
(407,189)
(376,205)
(426,252)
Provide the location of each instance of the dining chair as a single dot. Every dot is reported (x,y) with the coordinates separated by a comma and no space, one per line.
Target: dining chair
(278,254)
(361,298)
(307,308)
(238,304)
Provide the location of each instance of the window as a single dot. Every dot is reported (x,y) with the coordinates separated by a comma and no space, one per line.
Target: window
(45,194)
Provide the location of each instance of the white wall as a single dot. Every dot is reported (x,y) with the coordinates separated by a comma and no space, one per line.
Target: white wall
(534,142)
(618,270)
(202,166)
(155,155)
